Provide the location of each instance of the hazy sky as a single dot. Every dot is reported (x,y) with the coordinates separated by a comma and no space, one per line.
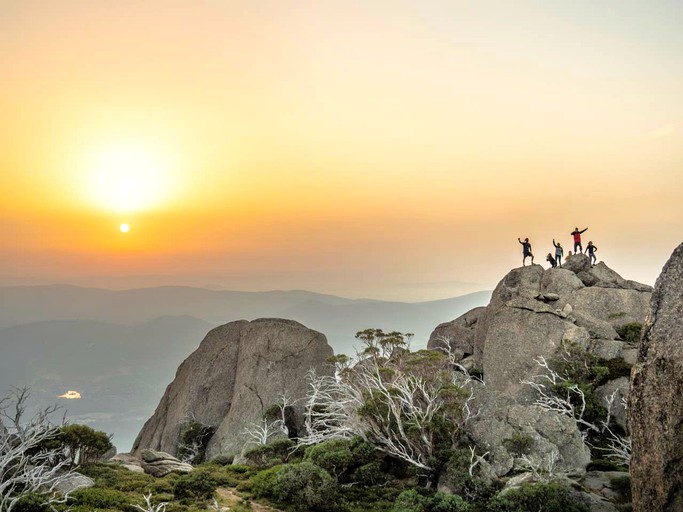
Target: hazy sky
(375,148)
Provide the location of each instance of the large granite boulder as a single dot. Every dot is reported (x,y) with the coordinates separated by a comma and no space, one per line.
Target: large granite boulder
(501,419)
(238,371)
(655,405)
(128,461)
(616,306)
(159,464)
(73,482)
(518,334)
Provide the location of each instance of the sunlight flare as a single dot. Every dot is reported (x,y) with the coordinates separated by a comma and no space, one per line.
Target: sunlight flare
(128,176)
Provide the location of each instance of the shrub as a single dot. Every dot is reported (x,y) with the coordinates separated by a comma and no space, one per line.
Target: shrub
(410,501)
(622,485)
(83,444)
(369,474)
(95,497)
(268,455)
(199,485)
(457,479)
(519,444)
(603,465)
(441,502)
(194,438)
(617,368)
(31,502)
(536,498)
(303,485)
(119,478)
(334,456)
(630,332)
(223,459)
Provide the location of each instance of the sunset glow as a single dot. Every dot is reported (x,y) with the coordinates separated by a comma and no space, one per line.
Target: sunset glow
(127,177)
(382,149)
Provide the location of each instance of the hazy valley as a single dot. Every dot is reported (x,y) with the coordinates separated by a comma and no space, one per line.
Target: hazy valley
(119,349)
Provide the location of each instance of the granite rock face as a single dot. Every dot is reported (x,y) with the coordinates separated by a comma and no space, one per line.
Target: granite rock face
(533,312)
(655,409)
(238,371)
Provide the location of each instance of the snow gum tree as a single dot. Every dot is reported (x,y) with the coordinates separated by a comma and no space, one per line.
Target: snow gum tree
(411,405)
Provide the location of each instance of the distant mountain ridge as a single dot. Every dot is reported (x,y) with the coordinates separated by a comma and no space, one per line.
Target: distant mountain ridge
(121,348)
(25,304)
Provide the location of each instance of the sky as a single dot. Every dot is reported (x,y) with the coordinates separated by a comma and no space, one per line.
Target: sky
(391,150)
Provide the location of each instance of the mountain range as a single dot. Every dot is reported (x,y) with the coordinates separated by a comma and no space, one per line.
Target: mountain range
(119,349)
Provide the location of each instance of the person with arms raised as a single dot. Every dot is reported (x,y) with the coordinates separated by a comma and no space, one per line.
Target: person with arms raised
(577,239)
(526,251)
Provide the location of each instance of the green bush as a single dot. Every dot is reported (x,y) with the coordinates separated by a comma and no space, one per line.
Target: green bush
(410,501)
(197,485)
(223,459)
(630,332)
(84,444)
(622,485)
(536,498)
(32,502)
(603,465)
(457,479)
(268,455)
(519,444)
(369,474)
(194,438)
(441,502)
(95,497)
(334,456)
(617,368)
(119,478)
(305,486)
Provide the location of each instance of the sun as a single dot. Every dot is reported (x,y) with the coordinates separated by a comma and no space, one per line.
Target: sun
(124,228)
(127,176)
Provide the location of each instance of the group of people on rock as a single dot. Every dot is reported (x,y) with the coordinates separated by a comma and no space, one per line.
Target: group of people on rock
(556,261)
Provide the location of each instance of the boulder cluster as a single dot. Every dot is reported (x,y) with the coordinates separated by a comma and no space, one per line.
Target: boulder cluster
(242,368)
(534,311)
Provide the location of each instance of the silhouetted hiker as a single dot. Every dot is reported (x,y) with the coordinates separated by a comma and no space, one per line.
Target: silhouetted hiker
(590,250)
(559,252)
(549,258)
(577,239)
(526,251)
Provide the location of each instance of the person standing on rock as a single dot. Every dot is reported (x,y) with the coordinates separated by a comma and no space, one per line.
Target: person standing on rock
(553,262)
(577,239)
(559,252)
(526,250)
(590,250)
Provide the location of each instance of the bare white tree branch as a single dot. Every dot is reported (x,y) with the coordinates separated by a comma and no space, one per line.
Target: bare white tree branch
(26,465)
(161,507)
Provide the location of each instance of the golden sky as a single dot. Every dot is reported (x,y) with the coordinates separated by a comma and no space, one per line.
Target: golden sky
(385,149)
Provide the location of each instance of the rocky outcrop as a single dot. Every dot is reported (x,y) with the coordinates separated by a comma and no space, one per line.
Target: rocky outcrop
(128,461)
(159,464)
(549,436)
(534,311)
(655,406)
(458,333)
(239,370)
